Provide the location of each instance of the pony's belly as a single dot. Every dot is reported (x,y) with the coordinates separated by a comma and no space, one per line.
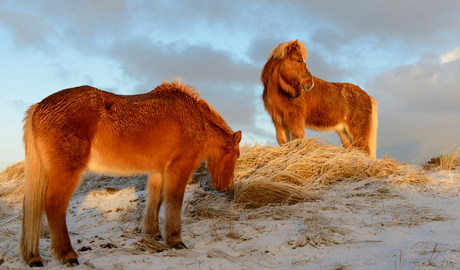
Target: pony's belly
(95,165)
(118,165)
(338,127)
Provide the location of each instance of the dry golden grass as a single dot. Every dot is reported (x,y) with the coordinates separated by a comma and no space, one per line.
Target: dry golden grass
(207,204)
(448,161)
(255,194)
(265,175)
(290,173)
(12,183)
(150,244)
(311,162)
(11,190)
(274,176)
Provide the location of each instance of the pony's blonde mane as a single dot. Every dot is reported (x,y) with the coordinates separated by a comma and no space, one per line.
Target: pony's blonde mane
(204,106)
(280,50)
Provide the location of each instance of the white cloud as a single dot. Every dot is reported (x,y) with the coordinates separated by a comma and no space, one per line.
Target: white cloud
(450,56)
(418,109)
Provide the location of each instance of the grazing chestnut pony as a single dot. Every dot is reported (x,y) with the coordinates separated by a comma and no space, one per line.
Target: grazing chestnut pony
(342,107)
(165,133)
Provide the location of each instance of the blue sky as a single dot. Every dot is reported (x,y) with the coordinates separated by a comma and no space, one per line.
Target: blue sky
(406,54)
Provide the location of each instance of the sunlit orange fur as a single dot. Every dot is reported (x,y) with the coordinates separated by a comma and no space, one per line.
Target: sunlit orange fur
(341,107)
(166,133)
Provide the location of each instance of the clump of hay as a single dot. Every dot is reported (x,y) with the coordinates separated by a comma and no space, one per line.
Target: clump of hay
(311,162)
(292,172)
(208,205)
(448,161)
(150,244)
(255,194)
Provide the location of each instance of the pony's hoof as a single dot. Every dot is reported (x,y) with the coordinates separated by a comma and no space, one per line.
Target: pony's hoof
(179,245)
(158,237)
(36,264)
(71,262)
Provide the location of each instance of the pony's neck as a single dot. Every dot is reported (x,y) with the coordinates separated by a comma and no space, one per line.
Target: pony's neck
(217,138)
(218,133)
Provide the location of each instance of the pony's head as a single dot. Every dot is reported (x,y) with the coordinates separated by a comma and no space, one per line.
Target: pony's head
(295,77)
(222,164)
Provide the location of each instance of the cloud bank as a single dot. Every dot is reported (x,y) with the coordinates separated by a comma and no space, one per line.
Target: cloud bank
(405,54)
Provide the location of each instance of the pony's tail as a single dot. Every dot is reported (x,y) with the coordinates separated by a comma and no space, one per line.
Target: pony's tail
(373,131)
(36,183)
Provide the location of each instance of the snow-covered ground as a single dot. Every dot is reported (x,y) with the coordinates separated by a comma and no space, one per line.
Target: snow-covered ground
(371,224)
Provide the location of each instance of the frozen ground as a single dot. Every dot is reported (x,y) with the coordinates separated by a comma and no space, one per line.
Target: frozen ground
(363,225)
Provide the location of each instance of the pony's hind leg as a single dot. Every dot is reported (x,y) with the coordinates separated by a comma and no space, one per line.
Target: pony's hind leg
(351,137)
(346,138)
(363,144)
(61,186)
(151,215)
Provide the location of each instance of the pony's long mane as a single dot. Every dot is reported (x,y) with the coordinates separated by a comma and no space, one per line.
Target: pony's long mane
(212,114)
(280,50)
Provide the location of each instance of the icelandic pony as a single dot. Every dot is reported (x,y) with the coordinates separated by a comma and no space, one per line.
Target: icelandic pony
(342,107)
(166,133)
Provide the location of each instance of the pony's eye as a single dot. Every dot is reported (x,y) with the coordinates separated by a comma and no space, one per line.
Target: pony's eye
(299,61)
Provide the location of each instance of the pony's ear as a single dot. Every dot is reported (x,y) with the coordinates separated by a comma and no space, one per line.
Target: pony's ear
(294,46)
(237,137)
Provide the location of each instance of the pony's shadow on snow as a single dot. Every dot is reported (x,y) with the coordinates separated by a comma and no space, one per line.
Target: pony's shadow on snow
(92,183)
(113,183)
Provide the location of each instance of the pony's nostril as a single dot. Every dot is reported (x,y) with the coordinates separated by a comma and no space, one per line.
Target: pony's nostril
(310,85)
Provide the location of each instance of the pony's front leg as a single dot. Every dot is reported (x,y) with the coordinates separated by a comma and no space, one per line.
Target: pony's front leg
(283,135)
(61,186)
(151,215)
(176,177)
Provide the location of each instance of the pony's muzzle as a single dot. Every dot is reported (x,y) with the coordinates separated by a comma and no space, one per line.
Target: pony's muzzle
(229,187)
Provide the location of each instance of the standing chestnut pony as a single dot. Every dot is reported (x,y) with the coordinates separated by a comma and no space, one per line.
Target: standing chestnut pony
(342,107)
(166,133)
